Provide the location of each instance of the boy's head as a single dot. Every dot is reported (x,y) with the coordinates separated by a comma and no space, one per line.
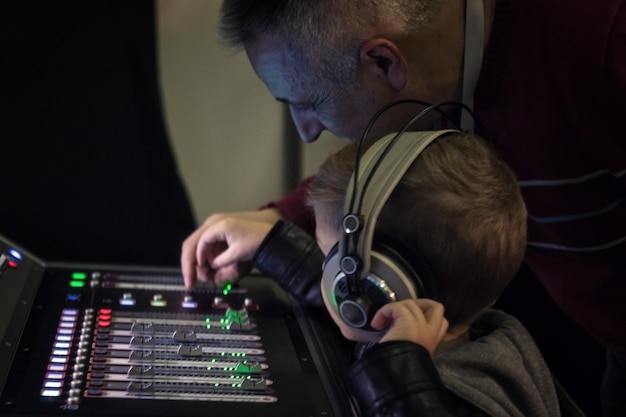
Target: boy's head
(458,206)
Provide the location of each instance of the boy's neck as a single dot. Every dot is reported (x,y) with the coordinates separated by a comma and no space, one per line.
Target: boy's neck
(453,338)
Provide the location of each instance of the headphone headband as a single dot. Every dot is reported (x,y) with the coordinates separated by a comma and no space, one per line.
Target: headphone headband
(388,158)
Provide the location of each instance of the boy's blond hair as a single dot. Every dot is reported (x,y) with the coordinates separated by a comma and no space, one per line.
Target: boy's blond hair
(459,206)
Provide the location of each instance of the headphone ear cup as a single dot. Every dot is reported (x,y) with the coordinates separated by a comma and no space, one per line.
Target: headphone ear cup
(409,261)
(391,278)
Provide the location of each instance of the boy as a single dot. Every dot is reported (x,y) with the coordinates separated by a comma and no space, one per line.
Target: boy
(459,208)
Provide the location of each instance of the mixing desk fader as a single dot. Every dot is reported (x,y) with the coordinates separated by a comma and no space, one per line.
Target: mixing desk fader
(98,340)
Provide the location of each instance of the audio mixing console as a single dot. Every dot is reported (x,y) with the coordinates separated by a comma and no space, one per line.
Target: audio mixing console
(100,340)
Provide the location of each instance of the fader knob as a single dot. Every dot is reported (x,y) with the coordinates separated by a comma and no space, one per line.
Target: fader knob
(184,336)
(190,350)
(248,367)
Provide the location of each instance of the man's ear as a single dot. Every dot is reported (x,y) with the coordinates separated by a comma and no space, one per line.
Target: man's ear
(382,58)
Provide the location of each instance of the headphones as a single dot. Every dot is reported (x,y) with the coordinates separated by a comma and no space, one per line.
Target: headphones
(365,271)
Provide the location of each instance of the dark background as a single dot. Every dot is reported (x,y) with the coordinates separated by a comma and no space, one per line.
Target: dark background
(86,168)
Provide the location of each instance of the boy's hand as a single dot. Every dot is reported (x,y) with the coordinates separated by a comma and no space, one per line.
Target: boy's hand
(419,321)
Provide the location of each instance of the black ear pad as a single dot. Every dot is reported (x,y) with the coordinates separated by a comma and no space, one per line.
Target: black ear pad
(395,274)
(410,261)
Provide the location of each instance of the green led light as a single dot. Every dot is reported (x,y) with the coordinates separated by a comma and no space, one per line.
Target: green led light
(227,289)
(77,284)
(79,275)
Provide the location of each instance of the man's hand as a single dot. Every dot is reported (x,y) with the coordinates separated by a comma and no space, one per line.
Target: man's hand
(222,248)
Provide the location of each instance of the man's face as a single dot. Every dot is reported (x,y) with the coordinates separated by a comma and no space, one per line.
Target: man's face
(314,106)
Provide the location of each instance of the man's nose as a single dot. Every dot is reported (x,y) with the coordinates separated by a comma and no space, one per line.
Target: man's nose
(308,125)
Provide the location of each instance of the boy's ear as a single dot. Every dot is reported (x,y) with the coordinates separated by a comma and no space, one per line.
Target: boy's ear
(382,58)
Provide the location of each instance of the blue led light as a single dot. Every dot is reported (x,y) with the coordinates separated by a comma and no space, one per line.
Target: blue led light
(15,254)
(73,297)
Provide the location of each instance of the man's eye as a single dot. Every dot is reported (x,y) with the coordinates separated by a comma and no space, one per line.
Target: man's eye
(312,106)
(303,106)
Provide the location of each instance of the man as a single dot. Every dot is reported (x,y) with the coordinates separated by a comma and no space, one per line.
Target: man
(550,94)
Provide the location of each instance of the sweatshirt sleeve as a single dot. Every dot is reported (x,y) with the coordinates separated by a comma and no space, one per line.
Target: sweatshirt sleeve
(291,257)
(398,378)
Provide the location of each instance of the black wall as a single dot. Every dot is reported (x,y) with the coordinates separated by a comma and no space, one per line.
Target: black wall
(86,169)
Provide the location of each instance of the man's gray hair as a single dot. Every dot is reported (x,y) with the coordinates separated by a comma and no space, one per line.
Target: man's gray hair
(326,35)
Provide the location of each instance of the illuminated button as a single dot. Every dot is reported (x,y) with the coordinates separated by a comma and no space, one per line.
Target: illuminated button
(15,254)
(77,283)
(127,299)
(53,384)
(57,368)
(188,302)
(51,393)
(73,297)
(68,318)
(158,301)
(74,392)
(96,279)
(79,276)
